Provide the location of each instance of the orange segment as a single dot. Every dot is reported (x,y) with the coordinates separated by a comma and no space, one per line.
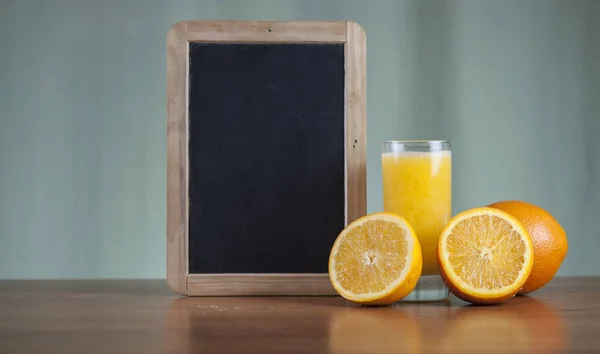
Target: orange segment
(375,260)
(485,255)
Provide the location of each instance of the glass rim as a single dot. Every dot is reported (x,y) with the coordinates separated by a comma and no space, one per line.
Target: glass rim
(415,141)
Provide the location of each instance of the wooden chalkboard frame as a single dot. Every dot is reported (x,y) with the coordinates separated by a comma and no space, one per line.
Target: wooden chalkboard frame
(179,37)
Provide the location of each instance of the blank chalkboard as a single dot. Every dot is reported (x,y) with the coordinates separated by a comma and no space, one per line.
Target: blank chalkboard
(266,157)
(266,162)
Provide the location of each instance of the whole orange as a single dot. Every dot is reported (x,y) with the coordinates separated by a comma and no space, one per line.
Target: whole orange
(550,244)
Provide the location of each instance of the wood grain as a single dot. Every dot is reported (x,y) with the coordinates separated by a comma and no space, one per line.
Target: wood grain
(177,175)
(266,31)
(132,316)
(259,284)
(356,121)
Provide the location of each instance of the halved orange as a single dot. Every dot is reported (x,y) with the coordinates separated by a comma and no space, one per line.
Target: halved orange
(485,255)
(376,260)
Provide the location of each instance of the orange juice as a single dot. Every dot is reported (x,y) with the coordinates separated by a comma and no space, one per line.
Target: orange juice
(417,186)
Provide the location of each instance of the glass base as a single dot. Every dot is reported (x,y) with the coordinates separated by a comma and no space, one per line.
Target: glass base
(429,288)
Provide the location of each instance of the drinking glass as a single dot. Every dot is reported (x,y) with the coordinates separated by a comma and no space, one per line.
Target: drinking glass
(417,185)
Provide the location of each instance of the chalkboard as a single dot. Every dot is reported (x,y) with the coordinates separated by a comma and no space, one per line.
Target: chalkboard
(265,141)
(266,158)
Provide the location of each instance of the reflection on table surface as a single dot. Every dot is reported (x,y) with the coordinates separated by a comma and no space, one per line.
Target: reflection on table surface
(146,317)
(331,325)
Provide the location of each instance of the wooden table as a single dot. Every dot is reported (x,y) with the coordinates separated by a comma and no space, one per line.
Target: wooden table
(146,317)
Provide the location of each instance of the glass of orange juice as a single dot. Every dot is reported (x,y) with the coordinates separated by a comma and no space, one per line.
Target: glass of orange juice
(417,185)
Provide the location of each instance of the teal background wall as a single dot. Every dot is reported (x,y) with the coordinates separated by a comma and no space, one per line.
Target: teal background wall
(514,84)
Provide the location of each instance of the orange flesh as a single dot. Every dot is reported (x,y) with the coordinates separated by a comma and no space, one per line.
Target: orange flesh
(375,253)
(486,252)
